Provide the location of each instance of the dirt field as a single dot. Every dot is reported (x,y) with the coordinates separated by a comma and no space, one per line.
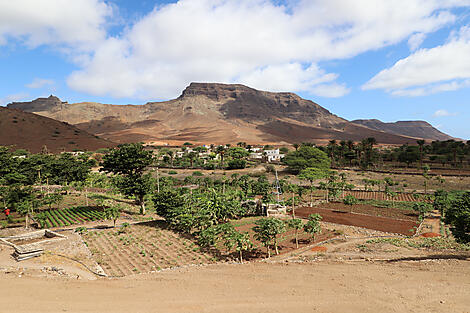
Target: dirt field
(286,241)
(371,210)
(384,224)
(412,182)
(257,287)
(143,248)
(375,195)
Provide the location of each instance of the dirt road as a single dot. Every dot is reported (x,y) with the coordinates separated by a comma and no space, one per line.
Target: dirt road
(437,286)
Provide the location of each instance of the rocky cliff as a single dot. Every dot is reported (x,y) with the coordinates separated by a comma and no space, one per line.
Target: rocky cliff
(214,113)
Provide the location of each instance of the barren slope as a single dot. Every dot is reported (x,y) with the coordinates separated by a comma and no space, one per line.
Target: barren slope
(419,129)
(30,131)
(215,113)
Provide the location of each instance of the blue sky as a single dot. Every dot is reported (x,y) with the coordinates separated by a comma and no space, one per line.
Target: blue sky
(390,60)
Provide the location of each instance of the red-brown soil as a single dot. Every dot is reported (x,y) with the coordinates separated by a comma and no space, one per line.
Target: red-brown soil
(286,242)
(368,209)
(385,224)
(376,195)
(32,132)
(319,249)
(430,235)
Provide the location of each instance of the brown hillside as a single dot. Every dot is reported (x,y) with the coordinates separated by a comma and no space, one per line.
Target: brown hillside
(419,129)
(31,132)
(212,113)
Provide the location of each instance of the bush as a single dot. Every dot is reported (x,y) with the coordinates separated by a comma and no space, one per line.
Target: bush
(422,208)
(197,173)
(172,172)
(236,164)
(458,216)
(350,200)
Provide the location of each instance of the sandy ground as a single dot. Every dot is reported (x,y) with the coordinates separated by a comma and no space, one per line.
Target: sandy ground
(256,287)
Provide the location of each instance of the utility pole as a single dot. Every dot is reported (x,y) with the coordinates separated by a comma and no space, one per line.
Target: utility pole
(277,186)
(158,182)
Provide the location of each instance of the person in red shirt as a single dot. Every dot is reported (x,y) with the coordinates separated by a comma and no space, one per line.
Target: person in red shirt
(7,212)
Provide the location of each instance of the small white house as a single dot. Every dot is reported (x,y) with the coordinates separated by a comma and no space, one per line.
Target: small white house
(273,155)
(256,156)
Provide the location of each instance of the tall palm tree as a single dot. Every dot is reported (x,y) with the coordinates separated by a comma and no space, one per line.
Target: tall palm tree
(421,144)
(332,147)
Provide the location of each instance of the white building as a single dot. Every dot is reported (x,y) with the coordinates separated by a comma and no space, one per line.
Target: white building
(273,155)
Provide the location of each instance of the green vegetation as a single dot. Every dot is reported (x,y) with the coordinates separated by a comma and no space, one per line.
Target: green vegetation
(436,243)
(458,216)
(305,157)
(129,162)
(313,227)
(267,231)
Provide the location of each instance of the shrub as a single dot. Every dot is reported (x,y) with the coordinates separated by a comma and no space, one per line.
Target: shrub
(236,164)
(197,173)
(350,200)
(172,172)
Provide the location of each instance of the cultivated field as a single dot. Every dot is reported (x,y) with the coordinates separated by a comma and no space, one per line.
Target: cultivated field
(338,213)
(142,248)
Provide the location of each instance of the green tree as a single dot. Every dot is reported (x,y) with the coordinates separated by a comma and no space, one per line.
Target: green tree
(421,150)
(311,174)
(350,200)
(112,212)
(22,199)
(313,226)
(267,231)
(295,224)
(422,208)
(441,201)
(458,216)
(52,198)
(130,161)
(304,157)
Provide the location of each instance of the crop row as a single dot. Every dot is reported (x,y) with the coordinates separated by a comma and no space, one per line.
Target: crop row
(67,217)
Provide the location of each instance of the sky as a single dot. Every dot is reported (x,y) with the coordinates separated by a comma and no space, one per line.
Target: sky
(361,59)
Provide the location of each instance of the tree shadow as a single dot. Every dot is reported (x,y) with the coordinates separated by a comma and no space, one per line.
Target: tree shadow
(432,257)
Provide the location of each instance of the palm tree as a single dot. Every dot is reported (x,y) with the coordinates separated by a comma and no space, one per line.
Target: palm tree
(171,154)
(192,156)
(421,144)
(221,151)
(332,147)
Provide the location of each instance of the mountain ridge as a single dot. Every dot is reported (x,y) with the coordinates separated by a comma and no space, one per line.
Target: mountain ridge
(213,113)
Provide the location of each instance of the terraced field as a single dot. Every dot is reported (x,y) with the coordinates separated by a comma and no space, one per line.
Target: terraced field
(143,248)
(67,217)
(376,195)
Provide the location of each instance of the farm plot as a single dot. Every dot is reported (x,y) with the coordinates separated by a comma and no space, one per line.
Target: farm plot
(67,217)
(385,224)
(368,209)
(143,248)
(380,195)
(286,241)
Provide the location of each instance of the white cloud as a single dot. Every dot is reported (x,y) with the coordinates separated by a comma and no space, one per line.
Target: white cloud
(77,24)
(14,97)
(441,113)
(416,40)
(251,41)
(442,68)
(40,83)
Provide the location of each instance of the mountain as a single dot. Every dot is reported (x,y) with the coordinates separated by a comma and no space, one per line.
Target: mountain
(419,129)
(212,113)
(29,131)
